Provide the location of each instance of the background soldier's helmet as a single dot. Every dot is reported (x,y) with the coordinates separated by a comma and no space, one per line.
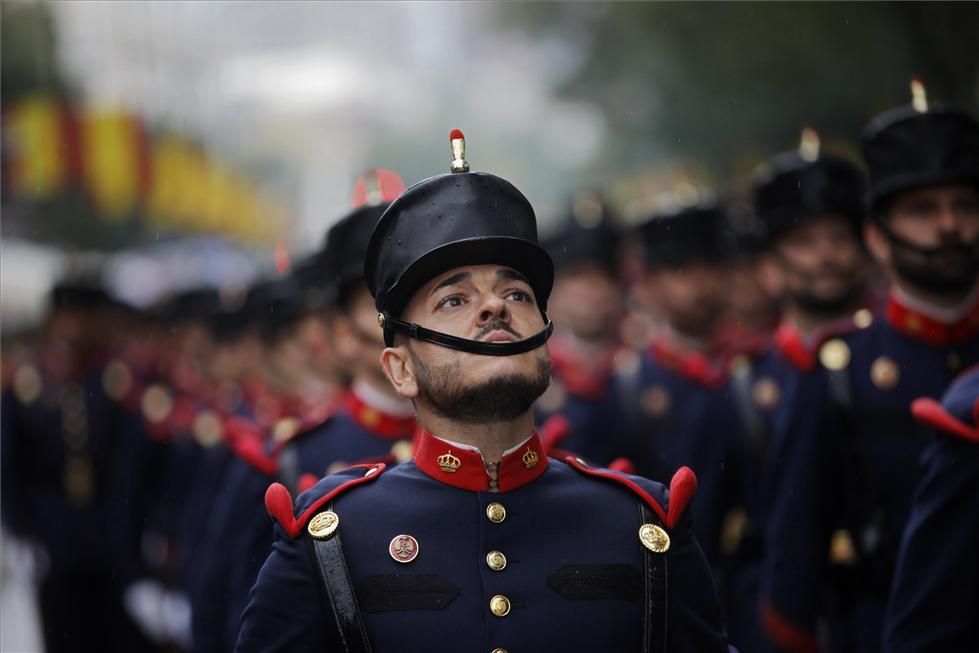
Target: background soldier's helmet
(587,234)
(795,186)
(684,235)
(920,145)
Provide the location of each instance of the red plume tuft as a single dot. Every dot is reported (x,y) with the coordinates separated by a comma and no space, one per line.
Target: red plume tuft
(456,133)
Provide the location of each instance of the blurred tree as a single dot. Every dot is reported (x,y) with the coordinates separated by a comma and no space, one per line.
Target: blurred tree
(727,84)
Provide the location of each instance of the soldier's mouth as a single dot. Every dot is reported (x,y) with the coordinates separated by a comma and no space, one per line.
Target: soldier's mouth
(500,336)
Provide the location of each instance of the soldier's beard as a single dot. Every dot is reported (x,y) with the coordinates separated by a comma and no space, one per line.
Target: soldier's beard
(496,399)
(826,305)
(949,269)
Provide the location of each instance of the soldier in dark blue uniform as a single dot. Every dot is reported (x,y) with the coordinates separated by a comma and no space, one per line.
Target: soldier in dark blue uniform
(812,207)
(481,542)
(852,449)
(684,409)
(588,309)
(681,407)
(934,603)
(61,443)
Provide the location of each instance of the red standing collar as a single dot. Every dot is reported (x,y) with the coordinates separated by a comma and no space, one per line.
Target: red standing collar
(374,421)
(691,364)
(582,375)
(465,469)
(792,346)
(918,326)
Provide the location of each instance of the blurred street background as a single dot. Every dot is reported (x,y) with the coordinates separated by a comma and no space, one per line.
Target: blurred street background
(133,125)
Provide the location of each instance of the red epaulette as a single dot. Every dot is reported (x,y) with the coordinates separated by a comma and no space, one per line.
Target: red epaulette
(252,452)
(682,488)
(928,411)
(278,501)
(553,432)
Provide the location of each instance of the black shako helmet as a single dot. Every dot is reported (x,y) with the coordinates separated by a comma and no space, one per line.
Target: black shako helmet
(683,234)
(448,221)
(346,247)
(920,145)
(587,234)
(795,186)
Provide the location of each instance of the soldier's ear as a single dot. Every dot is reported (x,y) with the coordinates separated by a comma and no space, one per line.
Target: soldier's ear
(399,369)
(877,243)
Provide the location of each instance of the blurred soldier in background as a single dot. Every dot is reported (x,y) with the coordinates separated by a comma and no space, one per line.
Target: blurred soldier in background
(677,394)
(61,442)
(851,447)
(587,308)
(680,399)
(811,205)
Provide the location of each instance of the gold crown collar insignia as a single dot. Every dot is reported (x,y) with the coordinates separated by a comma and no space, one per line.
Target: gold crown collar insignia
(448,463)
(530,458)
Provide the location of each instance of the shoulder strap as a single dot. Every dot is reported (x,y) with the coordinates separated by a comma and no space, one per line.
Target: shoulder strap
(654,635)
(340,592)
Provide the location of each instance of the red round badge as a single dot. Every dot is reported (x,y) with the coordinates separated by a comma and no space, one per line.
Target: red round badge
(403,548)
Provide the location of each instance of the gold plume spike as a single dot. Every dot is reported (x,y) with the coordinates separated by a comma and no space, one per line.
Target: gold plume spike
(686,194)
(919,98)
(458,142)
(372,184)
(809,144)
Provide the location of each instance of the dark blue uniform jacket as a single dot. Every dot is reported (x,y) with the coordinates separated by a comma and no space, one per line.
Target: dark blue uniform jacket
(569,535)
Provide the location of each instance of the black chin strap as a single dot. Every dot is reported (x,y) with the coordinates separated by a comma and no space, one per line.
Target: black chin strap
(463,344)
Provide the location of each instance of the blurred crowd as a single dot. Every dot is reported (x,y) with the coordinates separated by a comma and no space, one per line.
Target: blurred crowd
(778,357)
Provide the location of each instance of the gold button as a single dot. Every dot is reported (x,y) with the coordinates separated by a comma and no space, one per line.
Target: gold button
(834,354)
(500,605)
(495,560)
(496,512)
(885,373)
(863,318)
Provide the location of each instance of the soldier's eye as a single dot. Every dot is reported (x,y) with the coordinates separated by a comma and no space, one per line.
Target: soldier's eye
(518,296)
(451,301)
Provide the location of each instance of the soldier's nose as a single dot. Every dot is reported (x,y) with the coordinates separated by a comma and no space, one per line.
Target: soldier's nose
(493,308)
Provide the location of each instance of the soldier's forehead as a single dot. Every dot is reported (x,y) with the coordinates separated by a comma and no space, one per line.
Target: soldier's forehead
(467,272)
